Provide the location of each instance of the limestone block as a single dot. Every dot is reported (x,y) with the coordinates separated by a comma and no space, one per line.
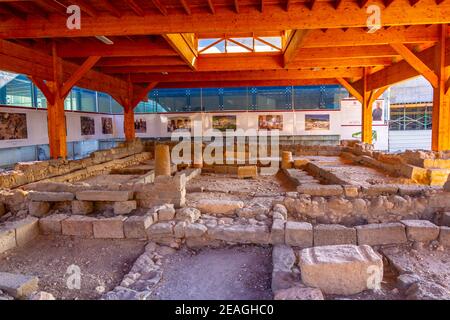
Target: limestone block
(381,189)
(226,207)
(381,234)
(444,236)
(82,207)
(277,234)
(81,226)
(135,227)
(160,228)
(421,230)
(247,172)
(240,233)
(100,195)
(50,196)
(299,234)
(440,200)
(299,293)
(7,239)
(124,207)
(162,160)
(26,229)
(300,163)
(333,234)
(321,190)
(166,212)
(188,214)
(351,191)
(17,285)
(38,208)
(445,220)
(195,230)
(52,224)
(341,269)
(109,228)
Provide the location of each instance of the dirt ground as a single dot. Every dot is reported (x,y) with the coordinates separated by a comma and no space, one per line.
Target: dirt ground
(233,273)
(356,174)
(102,263)
(227,183)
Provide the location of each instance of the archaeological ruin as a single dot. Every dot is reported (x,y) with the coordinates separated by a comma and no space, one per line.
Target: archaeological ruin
(224,150)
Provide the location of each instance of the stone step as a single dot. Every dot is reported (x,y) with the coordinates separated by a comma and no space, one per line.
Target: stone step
(100,195)
(50,196)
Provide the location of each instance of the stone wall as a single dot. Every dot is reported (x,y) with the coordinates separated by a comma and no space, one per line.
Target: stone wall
(28,172)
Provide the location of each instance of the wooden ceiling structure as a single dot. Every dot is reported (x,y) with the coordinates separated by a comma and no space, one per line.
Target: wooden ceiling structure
(154,44)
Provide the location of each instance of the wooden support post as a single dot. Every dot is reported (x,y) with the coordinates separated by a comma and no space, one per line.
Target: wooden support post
(366,121)
(441,97)
(55,92)
(129,103)
(128,123)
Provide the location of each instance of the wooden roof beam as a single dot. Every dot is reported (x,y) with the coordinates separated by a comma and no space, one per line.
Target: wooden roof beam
(354,92)
(293,45)
(111,8)
(236,6)
(186,7)
(416,63)
(247,83)
(323,16)
(182,45)
(87,7)
(78,74)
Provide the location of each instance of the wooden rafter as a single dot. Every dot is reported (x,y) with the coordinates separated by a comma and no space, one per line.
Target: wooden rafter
(211,6)
(78,74)
(336,4)
(40,83)
(87,7)
(236,6)
(135,7)
(350,88)
(186,6)
(387,3)
(294,43)
(160,6)
(362,3)
(416,63)
(141,95)
(288,4)
(111,8)
(181,44)
(310,4)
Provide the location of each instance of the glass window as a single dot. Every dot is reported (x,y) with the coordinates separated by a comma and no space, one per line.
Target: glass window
(88,100)
(273,98)
(18,92)
(116,107)
(235,98)
(104,102)
(211,98)
(174,100)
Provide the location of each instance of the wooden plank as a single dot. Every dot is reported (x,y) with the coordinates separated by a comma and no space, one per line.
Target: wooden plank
(293,45)
(350,89)
(416,63)
(180,43)
(78,74)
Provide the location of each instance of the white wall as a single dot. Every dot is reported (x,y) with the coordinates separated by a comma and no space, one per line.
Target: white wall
(411,139)
(343,122)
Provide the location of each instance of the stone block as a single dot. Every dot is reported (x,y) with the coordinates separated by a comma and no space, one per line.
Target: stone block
(135,227)
(38,209)
(26,229)
(226,207)
(166,212)
(2,209)
(109,228)
(101,195)
(52,224)
(381,234)
(381,189)
(421,230)
(445,220)
(240,233)
(333,234)
(17,285)
(82,207)
(160,229)
(247,172)
(300,163)
(277,234)
(80,226)
(321,190)
(440,200)
(7,239)
(188,214)
(50,196)
(341,269)
(444,236)
(195,230)
(299,234)
(351,191)
(124,207)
